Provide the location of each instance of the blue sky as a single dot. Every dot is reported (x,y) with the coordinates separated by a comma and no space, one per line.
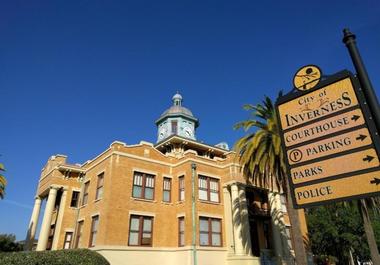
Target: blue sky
(77,75)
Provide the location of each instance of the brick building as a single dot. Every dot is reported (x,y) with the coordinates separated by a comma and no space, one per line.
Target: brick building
(178,201)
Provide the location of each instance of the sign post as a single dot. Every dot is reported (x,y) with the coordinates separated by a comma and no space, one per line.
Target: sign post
(330,140)
(329,132)
(369,93)
(350,40)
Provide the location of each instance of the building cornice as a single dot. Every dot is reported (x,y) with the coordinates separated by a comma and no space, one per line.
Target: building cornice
(87,166)
(178,139)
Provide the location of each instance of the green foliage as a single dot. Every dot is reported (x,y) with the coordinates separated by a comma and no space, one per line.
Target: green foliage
(260,150)
(262,158)
(334,230)
(8,244)
(324,260)
(59,257)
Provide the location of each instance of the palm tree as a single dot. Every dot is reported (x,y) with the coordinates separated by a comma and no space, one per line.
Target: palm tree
(263,160)
(3,181)
(364,205)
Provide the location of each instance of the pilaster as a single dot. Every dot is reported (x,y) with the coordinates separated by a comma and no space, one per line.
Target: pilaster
(228,220)
(237,222)
(246,238)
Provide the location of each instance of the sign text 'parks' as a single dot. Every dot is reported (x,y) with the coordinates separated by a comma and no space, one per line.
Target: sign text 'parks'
(329,141)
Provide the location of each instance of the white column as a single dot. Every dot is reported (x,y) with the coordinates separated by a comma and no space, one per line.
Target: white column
(58,225)
(277,224)
(33,224)
(237,224)
(228,220)
(46,222)
(245,222)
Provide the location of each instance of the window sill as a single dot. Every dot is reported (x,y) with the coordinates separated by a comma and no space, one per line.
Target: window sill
(180,202)
(166,203)
(209,247)
(209,202)
(143,200)
(96,200)
(82,206)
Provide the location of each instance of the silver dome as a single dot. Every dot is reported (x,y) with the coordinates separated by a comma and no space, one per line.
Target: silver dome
(177,96)
(177,110)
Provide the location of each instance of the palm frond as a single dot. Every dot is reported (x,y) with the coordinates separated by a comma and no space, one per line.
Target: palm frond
(260,151)
(3,181)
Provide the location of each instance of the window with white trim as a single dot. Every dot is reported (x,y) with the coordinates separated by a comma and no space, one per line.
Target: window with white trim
(78,241)
(143,186)
(210,232)
(68,239)
(208,189)
(85,193)
(94,230)
(166,193)
(99,186)
(181,188)
(140,230)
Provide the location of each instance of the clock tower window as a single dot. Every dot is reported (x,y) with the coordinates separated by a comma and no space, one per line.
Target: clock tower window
(174,127)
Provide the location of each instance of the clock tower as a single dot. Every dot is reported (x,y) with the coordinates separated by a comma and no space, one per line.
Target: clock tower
(177,120)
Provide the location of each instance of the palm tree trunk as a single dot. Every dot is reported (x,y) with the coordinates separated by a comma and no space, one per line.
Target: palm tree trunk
(298,240)
(369,232)
(352,262)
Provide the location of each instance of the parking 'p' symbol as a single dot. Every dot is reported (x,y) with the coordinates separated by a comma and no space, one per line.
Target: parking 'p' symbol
(295,155)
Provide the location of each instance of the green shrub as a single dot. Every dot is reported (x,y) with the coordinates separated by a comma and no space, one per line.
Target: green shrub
(58,257)
(8,243)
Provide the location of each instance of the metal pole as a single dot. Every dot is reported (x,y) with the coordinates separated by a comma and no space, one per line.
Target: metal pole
(366,86)
(373,104)
(194,236)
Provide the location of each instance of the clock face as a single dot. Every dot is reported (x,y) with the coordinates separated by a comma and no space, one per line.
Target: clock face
(162,132)
(188,132)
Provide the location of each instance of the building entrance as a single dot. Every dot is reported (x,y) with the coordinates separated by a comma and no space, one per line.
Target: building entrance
(259,221)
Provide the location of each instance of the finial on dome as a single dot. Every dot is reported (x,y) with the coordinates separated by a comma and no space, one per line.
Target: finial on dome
(177,99)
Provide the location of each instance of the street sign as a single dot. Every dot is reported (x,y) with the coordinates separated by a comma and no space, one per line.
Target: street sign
(329,146)
(335,166)
(328,126)
(330,142)
(344,187)
(321,102)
